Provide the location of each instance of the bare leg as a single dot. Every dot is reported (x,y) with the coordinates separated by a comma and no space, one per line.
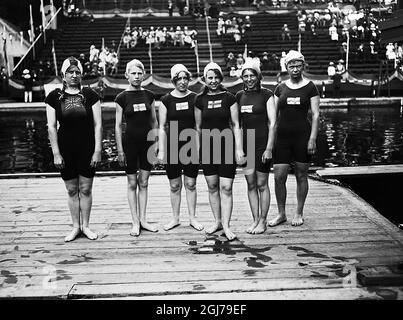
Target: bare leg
(143,196)
(280,179)
(253,200)
(301,175)
(191,197)
(176,188)
(264,193)
(132,198)
(74,206)
(214,199)
(85,186)
(226,206)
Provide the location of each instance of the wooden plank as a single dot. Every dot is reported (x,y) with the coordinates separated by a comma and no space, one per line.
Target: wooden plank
(360,170)
(340,232)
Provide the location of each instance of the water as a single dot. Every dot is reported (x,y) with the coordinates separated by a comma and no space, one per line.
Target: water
(347,137)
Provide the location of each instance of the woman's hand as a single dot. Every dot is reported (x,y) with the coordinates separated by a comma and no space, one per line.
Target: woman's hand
(58,161)
(267,155)
(96,159)
(311,146)
(122,159)
(240,157)
(160,156)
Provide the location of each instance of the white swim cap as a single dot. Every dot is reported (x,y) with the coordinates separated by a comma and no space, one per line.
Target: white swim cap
(294,55)
(212,66)
(135,63)
(177,68)
(71,61)
(252,64)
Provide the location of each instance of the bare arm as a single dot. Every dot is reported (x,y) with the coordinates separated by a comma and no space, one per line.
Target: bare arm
(198,121)
(162,116)
(52,133)
(118,134)
(315,124)
(97,113)
(237,132)
(271,109)
(154,126)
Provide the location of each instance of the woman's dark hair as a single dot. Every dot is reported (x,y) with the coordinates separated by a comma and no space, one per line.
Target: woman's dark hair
(175,79)
(220,87)
(259,83)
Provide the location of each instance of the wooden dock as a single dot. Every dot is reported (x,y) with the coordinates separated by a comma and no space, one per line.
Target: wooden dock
(360,171)
(344,250)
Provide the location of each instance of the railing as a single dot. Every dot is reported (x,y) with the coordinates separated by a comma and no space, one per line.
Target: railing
(30,56)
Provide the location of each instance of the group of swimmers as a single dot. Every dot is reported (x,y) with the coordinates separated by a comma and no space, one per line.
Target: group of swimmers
(256,127)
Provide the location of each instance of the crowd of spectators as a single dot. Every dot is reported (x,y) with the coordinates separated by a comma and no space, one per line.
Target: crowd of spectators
(267,61)
(235,27)
(159,37)
(99,62)
(71,9)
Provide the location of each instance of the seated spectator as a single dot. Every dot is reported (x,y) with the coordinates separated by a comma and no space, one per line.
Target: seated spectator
(340,68)
(234,72)
(113,63)
(265,61)
(189,37)
(283,67)
(94,53)
(343,50)
(301,28)
(312,34)
(170,37)
(274,62)
(239,63)
(345,33)
(285,32)
(390,52)
(103,60)
(331,70)
(334,36)
(373,51)
(220,26)
(230,61)
(179,37)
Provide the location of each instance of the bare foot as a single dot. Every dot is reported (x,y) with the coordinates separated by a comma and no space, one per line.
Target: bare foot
(215,228)
(196,224)
(277,220)
(297,221)
(89,234)
(229,234)
(252,227)
(173,224)
(135,231)
(72,235)
(148,227)
(260,228)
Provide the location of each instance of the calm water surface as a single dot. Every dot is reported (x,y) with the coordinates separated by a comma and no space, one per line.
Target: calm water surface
(347,137)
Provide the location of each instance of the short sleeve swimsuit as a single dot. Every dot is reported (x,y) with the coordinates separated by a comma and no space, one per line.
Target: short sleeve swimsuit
(217,158)
(293,127)
(136,105)
(76,137)
(180,116)
(253,116)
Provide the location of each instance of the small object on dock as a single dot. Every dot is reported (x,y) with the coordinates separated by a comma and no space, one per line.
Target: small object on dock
(381,275)
(400,226)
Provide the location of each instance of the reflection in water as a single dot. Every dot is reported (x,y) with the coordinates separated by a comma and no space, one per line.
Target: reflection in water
(347,137)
